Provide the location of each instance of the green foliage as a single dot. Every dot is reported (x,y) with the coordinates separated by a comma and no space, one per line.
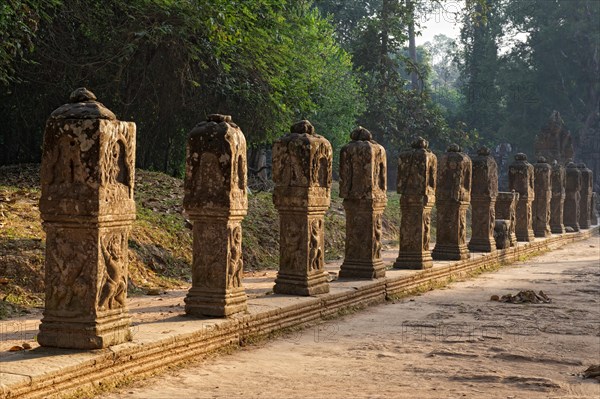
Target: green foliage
(374,32)
(522,59)
(167,64)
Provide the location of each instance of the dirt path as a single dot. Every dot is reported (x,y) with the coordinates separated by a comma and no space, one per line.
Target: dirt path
(450,343)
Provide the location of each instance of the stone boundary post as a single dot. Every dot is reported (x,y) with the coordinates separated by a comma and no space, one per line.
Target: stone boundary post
(543,196)
(87,205)
(302,174)
(594,210)
(521,179)
(453,196)
(506,209)
(483,201)
(417,174)
(216,199)
(363,171)
(558,198)
(585,201)
(572,196)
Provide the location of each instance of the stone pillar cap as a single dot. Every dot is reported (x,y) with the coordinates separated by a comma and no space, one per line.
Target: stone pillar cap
(453,148)
(303,127)
(361,134)
(571,165)
(581,165)
(83,105)
(541,160)
(420,143)
(483,151)
(218,118)
(521,157)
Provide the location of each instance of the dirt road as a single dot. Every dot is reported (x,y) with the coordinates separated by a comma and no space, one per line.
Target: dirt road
(450,343)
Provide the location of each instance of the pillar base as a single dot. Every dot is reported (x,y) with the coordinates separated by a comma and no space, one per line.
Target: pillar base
(362,269)
(414,261)
(526,237)
(542,233)
(108,329)
(559,229)
(290,284)
(575,227)
(482,245)
(450,252)
(215,303)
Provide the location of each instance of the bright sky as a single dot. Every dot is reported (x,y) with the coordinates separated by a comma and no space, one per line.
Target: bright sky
(442,19)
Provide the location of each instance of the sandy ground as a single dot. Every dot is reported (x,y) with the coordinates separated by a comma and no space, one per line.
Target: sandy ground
(449,343)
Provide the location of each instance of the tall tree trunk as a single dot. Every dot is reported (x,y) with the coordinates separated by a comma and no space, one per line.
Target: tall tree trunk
(412,44)
(383,52)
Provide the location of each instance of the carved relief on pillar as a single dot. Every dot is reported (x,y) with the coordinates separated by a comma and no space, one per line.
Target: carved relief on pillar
(483,201)
(417,174)
(302,174)
(557,202)
(88,160)
(363,171)
(543,196)
(452,200)
(585,201)
(572,197)
(87,179)
(216,199)
(521,178)
(113,269)
(506,209)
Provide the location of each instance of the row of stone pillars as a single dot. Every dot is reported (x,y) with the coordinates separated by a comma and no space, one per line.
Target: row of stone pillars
(87,205)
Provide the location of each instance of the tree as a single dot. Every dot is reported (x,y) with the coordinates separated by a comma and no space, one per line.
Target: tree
(479,66)
(165,64)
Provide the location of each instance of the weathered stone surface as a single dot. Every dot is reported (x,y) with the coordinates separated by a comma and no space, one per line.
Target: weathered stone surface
(302,175)
(543,196)
(453,196)
(216,200)
(87,179)
(585,201)
(506,209)
(363,171)
(572,196)
(521,179)
(502,155)
(594,210)
(483,201)
(417,174)
(502,233)
(558,198)
(554,140)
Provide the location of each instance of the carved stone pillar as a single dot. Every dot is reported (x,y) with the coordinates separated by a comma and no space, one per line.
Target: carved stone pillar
(453,196)
(558,198)
(363,170)
(594,210)
(521,179)
(302,175)
(417,173)
(572,196)
(585,201)
(216,201)
(87,178)
(506,209)
(483,201)
(543,196)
